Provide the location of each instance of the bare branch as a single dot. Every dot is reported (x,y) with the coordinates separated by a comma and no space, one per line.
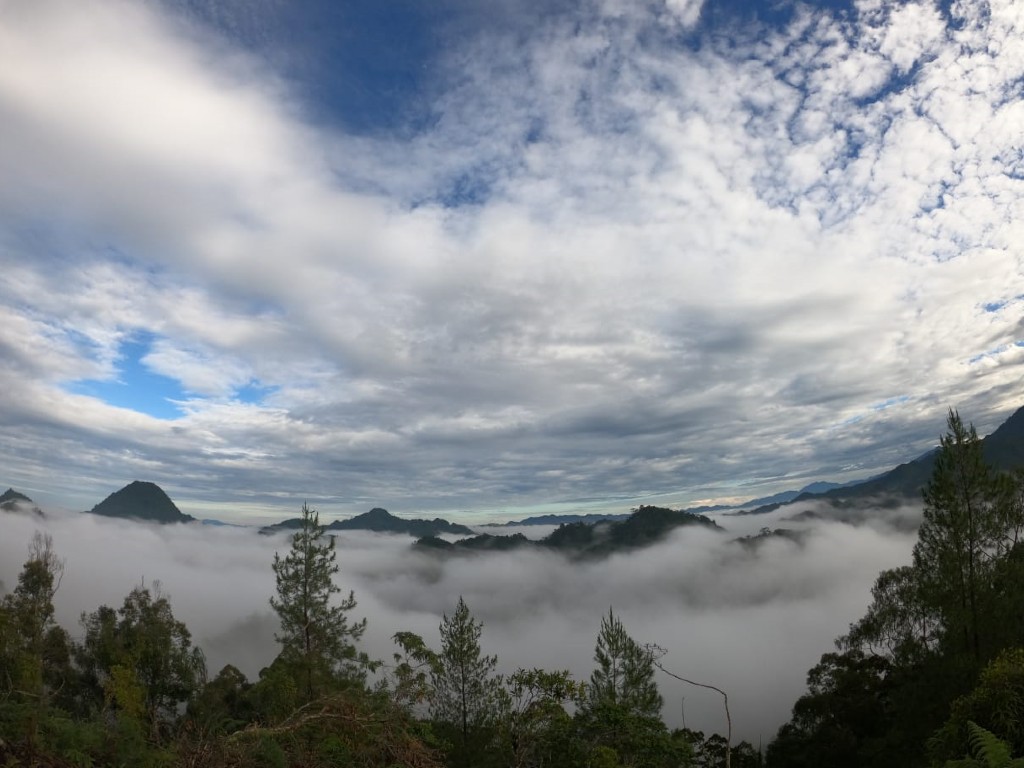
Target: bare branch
(656,653)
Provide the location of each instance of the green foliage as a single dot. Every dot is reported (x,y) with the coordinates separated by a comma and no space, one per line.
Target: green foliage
(625,672)
(411,674)
(467,693)
(637,740)
(276,694)
(317,640)
(33,650)
(961,527)
(997,701)
(709,751)
(133,691)
(899,623)
(223,705)
(989,750)
(621,710)
(139,662)
(843,718)
(930,628)
(535,727)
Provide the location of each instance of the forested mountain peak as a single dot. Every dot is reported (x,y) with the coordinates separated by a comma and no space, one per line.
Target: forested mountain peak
(12,495)
(646,525)
(141,500)
(13,501)
(380,520)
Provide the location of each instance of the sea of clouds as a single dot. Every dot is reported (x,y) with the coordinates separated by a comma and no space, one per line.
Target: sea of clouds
(749,620)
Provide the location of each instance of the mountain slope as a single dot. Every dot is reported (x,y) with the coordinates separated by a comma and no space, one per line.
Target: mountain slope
(645,526)
(1003,449)
(141,501)
(556,519)
(381,521)
(19,503)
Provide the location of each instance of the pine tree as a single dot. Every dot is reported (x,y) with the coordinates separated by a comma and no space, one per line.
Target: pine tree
(625,671)
(621,716)
(961,528)
(316,637)
(466,690)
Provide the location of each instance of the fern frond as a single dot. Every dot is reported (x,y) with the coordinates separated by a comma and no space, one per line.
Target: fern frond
(994,752)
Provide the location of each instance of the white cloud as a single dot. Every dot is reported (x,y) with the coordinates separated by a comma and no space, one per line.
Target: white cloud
(670,268)
(751,622)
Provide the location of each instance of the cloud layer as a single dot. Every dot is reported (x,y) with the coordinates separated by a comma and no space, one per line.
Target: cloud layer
(626,257)
(749,621)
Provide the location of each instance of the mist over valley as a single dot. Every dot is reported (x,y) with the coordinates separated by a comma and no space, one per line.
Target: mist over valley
(749,620)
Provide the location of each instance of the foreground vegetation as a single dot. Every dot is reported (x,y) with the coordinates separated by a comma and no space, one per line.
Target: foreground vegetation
(932,675)
(134,691)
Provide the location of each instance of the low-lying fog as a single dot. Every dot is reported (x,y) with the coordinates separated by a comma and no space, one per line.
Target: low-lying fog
(750,621)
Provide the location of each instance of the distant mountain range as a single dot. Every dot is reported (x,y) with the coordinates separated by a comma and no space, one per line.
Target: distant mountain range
(785,497)
(589,519)
(141,501)
(777,499)
(381,521)
(645,526)
(1003,449)
(580,535)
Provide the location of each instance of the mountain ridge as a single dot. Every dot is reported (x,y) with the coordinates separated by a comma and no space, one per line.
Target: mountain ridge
(1003,449)
(379,520)
(579,540)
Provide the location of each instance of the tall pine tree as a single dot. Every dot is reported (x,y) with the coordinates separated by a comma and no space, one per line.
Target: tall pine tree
(961,527)
(316,637)
(625,671)
(467,692)
(621,716)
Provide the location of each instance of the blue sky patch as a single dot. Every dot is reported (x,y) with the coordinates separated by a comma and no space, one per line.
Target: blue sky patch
(136,386)
(995,306)
(254,392)
(890,402)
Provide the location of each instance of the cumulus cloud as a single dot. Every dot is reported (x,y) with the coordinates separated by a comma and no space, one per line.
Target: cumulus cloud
(611,266)
(750,621)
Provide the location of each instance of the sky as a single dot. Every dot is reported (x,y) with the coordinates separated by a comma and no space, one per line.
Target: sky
(485,260)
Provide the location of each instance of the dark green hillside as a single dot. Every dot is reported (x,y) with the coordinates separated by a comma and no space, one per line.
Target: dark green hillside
(380,521)
(572,536)
(558,520)
(645,526)
(141,501)
(1004,448)
(11,496)
(905,480)
(480,543)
